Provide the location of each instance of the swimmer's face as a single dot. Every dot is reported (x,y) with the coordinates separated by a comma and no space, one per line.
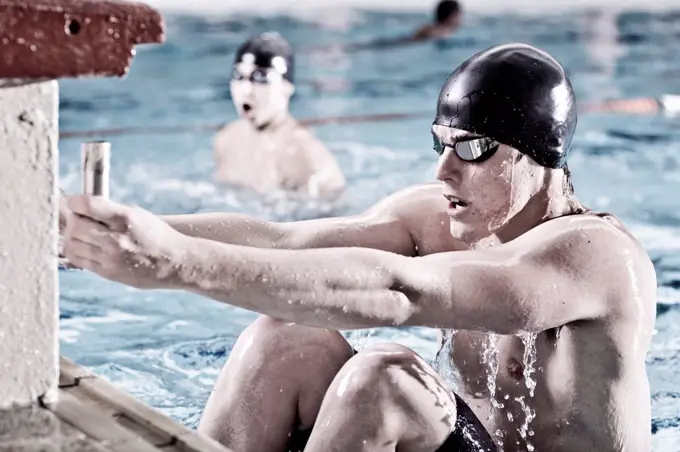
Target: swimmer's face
(453,21)
(486,183)
(260,95)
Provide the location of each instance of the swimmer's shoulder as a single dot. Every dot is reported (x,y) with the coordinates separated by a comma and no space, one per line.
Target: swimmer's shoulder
(306,140)
(601,239)
(602,261)
(415,203)
(239,125)
(234,130)
(423,33)
(607,225)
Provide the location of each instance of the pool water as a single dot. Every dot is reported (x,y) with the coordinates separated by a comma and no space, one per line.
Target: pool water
(166,347)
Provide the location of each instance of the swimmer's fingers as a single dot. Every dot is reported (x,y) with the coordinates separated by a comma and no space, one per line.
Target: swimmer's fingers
(66,264)
(97,208)
(82,255)
(83,229)
(81,263)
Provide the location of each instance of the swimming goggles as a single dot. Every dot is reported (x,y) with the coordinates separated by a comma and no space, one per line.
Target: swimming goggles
(469,149)
(262,76)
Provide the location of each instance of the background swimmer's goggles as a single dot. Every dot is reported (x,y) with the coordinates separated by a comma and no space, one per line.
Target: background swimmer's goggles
(469,149)
(259,75)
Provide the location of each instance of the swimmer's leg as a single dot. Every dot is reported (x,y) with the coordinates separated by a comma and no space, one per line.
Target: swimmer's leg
(387,398)
(272,384)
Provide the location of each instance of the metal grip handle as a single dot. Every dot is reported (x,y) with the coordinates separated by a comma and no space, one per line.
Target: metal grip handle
(96,165)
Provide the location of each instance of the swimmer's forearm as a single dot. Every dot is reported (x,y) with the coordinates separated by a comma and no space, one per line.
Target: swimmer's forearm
(232,228)
(304,286)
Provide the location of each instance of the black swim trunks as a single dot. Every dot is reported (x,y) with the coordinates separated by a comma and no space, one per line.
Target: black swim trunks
(468,436)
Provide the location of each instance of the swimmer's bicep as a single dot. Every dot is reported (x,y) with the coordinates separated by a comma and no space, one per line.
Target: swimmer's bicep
(503,291)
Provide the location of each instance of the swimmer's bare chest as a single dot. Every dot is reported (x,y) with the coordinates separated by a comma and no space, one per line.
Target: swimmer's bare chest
(263,161)
(549,391)
(503,380)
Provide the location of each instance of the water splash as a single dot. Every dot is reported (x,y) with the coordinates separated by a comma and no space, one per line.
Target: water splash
(359,338)
(529,415)
(443,363)
(529,360)
(490,360)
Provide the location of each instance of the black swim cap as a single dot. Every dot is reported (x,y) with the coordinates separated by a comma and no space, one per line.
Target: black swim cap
(517,95)
(446,9)
(268,50)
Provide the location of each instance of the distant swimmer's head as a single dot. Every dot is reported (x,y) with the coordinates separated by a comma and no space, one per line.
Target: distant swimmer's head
(262,78)
(448,14)
(503,128)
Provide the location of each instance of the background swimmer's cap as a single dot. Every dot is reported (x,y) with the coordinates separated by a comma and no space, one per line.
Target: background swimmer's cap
(268,50)
(516,94)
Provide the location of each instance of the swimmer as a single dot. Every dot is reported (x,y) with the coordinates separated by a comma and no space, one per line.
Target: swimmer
(447,18)
(267,149)
(499,248)
(668,104)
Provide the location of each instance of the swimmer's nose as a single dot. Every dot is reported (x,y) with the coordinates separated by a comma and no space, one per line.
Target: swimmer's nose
(246,88)
(449,167)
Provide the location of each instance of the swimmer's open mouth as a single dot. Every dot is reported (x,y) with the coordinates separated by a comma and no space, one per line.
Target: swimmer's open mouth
(247,108)
(455,202)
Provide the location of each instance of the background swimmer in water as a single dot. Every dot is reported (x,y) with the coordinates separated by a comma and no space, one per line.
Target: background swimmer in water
(266,149)
(448,17)
(668,104)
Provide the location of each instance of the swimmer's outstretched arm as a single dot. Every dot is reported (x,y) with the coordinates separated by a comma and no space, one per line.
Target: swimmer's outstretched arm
(379,227)
(232,228)
(568,269)
(547,278)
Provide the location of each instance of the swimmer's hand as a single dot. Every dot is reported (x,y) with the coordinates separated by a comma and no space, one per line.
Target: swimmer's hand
(63,211)
(121,243)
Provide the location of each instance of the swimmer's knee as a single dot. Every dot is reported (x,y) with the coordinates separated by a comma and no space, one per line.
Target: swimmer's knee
(396,387)
(379,357)
(378,367)
(268,338)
